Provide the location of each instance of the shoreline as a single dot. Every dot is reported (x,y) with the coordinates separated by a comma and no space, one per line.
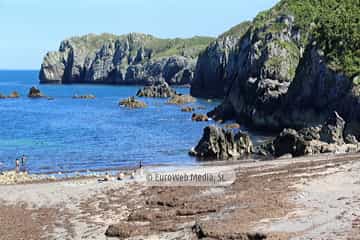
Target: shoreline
(269,197)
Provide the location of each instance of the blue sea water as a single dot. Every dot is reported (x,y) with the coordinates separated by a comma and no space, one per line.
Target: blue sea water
(68,135)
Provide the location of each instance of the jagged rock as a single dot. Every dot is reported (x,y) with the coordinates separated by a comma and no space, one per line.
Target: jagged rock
(333,130)
(210,79)
(35,93)
(351,139)
(199,118)
(327,138)
(162,90)
(126,59)
(131,102)
(90,96)
(217,143)
(188,109)
(181,99)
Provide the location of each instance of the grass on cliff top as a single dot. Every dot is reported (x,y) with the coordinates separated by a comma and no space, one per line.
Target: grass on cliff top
(333,24)
(189,47)
(237,31)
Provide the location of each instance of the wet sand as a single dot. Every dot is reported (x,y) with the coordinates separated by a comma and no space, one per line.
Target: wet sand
(311,197)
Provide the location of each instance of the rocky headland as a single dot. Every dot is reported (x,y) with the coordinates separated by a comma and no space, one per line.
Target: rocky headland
(127,59)
(293,66)
(290,67)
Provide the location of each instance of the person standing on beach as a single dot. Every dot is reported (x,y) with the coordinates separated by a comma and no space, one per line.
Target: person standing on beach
(17,165)
(23,160)
(23,163)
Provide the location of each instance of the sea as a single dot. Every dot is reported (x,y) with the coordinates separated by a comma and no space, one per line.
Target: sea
(67,135)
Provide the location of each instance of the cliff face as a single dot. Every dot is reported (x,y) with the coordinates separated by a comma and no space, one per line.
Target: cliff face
(127,59)
(210,79)
(294,66)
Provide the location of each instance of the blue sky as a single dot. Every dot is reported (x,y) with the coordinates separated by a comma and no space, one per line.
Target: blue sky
(30,28)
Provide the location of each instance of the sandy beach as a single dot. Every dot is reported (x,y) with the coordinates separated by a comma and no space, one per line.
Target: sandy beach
(303,198)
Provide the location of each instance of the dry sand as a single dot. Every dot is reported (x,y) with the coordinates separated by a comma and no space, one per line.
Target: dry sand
(303,198)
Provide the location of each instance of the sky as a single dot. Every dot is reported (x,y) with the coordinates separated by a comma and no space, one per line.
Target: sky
(30,28)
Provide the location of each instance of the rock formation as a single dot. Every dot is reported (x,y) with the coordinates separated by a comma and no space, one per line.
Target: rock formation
(161,90)
(188,109)
(219,144)
(284,70)
(35,93)
(210,80)
(199,118)
(181,99)
(126,59)
(327,138)
(12,95)
(131,102)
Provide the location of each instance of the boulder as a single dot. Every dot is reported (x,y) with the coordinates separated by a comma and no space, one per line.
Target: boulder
(188,109)
(181,99)
(131,102)
(35,93)
(219,144)
(161,90)
(333,130)
(199,118)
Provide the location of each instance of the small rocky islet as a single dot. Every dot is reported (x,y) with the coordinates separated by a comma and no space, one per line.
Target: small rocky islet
(277,72)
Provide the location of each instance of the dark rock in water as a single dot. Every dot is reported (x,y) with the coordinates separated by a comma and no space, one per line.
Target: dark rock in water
(90,96)
(162,90)
(12,95)
(127,59)
(131,102)
(181,99)
(199,118)
(219,144)
(35,93)
(223,112)
(188,109)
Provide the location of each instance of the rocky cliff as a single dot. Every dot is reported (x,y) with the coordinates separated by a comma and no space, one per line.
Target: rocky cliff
(294,65)
(127,59)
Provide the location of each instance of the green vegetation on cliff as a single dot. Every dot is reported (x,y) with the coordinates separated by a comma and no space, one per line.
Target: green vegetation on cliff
(189,47)
(333,24)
